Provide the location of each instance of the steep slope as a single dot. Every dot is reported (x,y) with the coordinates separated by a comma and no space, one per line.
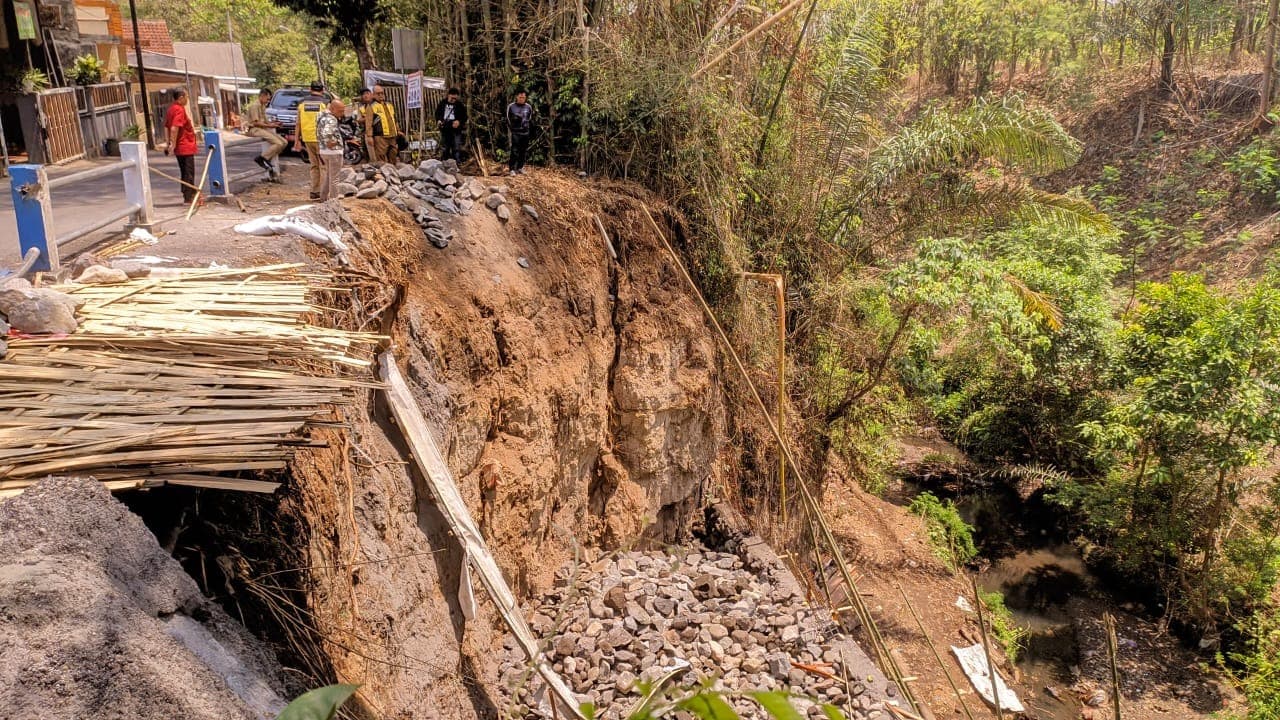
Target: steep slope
(579,403)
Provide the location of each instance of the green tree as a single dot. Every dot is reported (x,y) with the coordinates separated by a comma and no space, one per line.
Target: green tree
(1199,407)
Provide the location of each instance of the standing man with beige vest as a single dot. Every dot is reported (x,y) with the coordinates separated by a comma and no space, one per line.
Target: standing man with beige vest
(257,125)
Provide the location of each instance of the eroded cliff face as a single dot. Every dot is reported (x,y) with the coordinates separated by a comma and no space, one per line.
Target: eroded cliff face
(579,406)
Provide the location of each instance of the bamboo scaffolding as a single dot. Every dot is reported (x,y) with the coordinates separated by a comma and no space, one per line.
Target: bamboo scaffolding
(176,380)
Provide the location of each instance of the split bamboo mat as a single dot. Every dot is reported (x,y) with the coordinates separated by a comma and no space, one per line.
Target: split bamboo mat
(200,379)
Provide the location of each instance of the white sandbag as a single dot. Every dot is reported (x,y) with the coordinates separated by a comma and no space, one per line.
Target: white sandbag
(292,225)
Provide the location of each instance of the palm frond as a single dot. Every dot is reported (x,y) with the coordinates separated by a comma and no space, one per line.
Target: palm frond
(1037,303)
(961,205)
(1004,130)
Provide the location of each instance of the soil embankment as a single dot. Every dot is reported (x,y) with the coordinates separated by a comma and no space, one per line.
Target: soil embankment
(578,404)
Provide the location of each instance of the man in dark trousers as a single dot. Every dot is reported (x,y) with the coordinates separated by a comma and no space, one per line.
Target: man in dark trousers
(520,123)
(451,117)
(181,133)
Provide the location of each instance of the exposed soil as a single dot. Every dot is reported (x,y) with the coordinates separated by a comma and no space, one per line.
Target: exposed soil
(578,405)
(96,620)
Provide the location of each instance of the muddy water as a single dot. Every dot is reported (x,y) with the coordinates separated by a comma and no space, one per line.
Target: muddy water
(1036,585)
(1027,559)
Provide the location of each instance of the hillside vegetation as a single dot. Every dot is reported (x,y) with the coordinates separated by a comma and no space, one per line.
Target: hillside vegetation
(1042,227)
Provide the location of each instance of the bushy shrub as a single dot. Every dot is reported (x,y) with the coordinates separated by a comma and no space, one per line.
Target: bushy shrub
(949,535)
(1257,165)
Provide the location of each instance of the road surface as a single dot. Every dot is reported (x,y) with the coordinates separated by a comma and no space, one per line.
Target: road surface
(78,204)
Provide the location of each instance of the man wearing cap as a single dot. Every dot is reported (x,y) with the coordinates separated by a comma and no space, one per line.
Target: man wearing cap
(308,112)
(380,130)
(451,117)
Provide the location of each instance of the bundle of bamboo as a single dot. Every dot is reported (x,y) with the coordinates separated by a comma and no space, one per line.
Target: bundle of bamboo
(178,379)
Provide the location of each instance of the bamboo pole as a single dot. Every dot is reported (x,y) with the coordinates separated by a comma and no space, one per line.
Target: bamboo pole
(986,649)
(1112,657)
(203,176)
(936,656)
(765,25)
(811,504)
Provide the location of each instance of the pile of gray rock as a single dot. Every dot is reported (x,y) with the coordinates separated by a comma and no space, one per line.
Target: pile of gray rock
(34,311)
(426,191)
(629,619)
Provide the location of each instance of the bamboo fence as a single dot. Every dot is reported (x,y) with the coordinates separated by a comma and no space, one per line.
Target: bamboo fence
(196,379)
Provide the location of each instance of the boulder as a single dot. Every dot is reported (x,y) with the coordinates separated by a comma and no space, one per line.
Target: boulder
(504,213)
(373,190)
(443,179)
(493,201)
(429,167)
(346,189)
(476,189)
(101,274)
(38,311)
(530,210)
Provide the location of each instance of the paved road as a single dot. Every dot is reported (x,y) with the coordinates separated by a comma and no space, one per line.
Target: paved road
(79,204)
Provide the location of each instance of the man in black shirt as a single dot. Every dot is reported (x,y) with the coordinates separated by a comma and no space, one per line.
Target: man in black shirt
(451,117)
(520,123)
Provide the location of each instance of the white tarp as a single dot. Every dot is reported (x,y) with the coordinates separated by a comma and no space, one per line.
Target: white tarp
(475,552)
(974,662)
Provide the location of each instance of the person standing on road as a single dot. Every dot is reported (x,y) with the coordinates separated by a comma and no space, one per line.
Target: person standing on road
(182,142)
(381,131)
(329,139)
(257,125)
(451,117)
(365,116)
(308,112)
(520,123)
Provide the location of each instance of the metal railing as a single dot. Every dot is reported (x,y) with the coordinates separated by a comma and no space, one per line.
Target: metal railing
(33,207)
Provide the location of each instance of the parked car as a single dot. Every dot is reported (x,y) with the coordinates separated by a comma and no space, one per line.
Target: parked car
(284,110)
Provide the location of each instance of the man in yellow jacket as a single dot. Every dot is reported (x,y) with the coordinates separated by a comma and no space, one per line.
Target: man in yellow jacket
(308,112)
(380,128)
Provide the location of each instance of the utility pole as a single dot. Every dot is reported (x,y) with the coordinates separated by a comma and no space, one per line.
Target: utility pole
(142,75)
(235,74)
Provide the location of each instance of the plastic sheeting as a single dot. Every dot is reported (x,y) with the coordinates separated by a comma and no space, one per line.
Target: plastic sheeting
(974,663)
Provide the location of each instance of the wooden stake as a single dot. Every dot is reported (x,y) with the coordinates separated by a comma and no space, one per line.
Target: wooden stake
(484,167)
(936,656)
(1112,656)
(203,176)
(986,649)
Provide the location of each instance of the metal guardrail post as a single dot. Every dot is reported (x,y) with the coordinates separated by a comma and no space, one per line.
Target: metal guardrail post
(218,180)
(137,182)
(30,188)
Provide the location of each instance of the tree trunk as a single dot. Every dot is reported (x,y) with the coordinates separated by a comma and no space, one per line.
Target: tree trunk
(364,54)
(1167,53)
(1238,29)
(1269,62)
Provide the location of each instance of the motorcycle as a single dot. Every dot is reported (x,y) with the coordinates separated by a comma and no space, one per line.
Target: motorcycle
(352,147)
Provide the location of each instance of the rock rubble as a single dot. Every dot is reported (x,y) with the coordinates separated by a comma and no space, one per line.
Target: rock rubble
(426,191)
(632,617)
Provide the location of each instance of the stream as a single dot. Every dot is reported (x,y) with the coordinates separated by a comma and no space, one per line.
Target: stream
(1024,556)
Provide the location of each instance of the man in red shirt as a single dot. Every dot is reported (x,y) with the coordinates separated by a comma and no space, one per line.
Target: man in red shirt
(182,142)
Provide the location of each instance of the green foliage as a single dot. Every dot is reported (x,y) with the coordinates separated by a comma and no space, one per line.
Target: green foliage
(1257,165)
(1007,631)
(277,42)
(1255,670)
(1199,404)
(319,704)
(950,536)
(34,80)
(87,70)
(704,703)
(133,132)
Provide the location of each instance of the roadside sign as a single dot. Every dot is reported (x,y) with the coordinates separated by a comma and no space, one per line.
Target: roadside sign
(413,91)
(406,49)
(25,18)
